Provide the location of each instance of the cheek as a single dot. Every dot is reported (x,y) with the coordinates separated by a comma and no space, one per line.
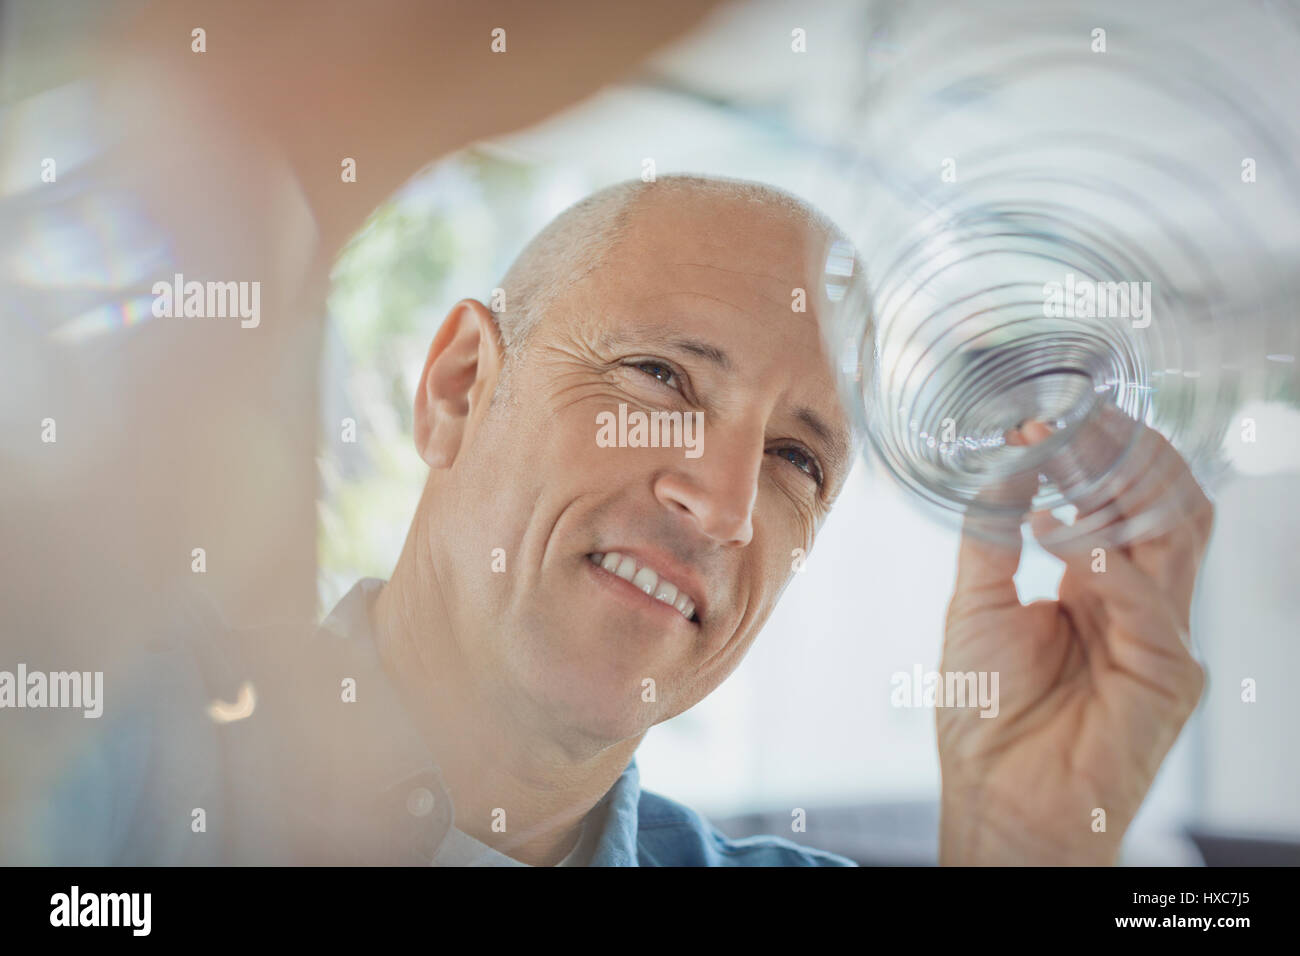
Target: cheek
(482,511)
(527,468)
(788,527)
(789,504)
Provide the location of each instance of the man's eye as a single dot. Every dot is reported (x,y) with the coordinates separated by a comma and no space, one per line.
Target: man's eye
(801,460)
(658,371)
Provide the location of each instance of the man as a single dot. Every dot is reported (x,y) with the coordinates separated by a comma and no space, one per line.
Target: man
(556,598)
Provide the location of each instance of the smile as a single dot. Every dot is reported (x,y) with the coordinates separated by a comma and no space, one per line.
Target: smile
(647,580)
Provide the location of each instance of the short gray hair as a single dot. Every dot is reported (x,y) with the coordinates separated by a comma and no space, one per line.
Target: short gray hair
(580,239)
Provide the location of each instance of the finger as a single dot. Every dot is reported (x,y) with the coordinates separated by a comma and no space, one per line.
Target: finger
(991,539)
(1148,502)
(1141,630)
(1156,476)
(1098,465)
(1174,559)
(1122,476)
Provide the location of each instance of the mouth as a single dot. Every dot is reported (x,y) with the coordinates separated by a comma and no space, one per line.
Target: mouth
(646,579)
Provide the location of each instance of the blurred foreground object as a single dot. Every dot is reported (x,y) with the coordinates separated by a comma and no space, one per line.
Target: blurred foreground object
(157,456)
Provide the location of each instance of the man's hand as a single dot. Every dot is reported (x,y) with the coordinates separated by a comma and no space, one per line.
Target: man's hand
(1094,687)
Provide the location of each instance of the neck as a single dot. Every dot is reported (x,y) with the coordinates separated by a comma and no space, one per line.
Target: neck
(514,784)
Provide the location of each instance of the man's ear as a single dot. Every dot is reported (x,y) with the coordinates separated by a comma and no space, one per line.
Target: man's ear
(460,372)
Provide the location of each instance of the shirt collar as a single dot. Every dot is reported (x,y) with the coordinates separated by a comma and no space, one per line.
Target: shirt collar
(618,839)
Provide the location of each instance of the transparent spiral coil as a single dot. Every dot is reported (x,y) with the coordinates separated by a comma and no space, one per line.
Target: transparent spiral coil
(1056,212)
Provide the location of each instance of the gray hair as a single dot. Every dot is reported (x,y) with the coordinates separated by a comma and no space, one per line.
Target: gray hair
(581,239)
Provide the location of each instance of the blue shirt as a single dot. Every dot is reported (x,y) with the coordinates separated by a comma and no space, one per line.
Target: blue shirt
(177,773)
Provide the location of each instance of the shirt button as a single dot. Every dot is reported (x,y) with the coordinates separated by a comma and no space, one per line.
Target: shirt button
(419,802)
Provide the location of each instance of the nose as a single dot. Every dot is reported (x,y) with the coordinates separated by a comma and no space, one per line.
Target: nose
(717,491)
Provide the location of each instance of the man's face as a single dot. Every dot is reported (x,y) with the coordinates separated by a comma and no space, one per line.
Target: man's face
(692,313)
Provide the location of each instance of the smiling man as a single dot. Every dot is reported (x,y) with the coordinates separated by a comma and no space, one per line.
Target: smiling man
(557,597)
(636,578)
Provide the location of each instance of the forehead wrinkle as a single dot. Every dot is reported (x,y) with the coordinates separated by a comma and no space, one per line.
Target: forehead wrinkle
(740,272)
(702,295)
(734,272)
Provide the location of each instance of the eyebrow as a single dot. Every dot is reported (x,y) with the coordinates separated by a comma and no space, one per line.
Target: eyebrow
(704,350)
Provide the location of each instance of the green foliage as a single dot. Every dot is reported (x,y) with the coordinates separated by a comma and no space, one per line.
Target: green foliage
(428,246)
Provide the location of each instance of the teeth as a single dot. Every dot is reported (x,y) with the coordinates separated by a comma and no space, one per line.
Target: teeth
(645,579)
(626,569)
